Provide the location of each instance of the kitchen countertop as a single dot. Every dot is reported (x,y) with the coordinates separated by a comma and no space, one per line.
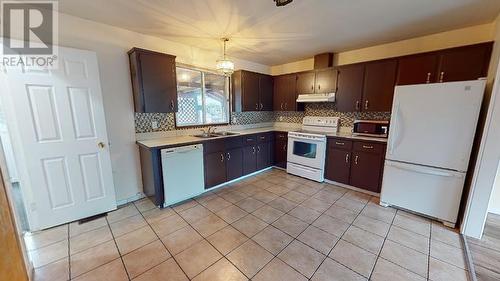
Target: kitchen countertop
(188,139)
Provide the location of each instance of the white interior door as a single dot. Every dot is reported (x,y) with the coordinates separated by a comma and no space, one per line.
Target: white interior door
(434,124)
(56,119)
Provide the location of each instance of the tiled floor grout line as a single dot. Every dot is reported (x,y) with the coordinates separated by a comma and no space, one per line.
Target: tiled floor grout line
(383,244)
(205,238)
(159,238)
(118,249)
(340,238)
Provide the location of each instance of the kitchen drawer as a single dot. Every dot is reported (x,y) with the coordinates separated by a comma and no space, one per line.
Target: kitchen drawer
(340,143)
(249,140)
(369,147)
(281,135)
(213,146)
(233,142)
(265,137)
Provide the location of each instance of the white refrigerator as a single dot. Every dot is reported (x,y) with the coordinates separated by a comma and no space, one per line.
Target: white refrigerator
(430,141)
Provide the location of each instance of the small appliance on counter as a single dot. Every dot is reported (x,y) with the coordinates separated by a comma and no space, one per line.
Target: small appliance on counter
(371,128)
(307,147)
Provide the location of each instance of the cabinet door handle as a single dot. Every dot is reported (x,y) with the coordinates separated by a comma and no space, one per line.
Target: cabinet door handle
(366,104)
(358,105)
(312,87)
(441,77)
(428,80)
(281,106)
(284,147)
(261,106)
(368,146)
(319,86)
(172,105)
(228,156)
(256,106)
(347,157)
(339,143)
(356,159)
(221,157)
(286,105)
(253,148)
(258,149)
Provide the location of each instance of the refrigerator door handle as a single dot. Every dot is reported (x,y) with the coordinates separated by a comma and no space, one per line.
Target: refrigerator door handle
(423,170)
(396,129)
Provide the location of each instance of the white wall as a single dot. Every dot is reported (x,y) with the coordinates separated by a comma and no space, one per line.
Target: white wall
(111,45)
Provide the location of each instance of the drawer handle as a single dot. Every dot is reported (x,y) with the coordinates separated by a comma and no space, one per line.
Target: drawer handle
(368,146)
(339,143)
(262,138)
(249,139)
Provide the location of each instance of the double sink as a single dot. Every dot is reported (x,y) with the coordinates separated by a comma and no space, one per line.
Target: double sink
(214,135)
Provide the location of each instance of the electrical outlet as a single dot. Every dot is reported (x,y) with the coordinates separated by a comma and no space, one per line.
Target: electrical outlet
(235,120)
(280,118)
(154,125)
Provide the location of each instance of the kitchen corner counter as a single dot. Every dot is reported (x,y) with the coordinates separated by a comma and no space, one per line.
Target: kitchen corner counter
(190,139)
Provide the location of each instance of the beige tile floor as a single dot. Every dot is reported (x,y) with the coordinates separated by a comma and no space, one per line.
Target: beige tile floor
(486,252)
(272,226)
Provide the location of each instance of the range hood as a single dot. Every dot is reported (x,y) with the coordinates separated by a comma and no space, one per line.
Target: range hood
(326,97)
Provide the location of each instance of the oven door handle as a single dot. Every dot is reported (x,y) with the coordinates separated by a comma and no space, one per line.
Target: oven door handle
(292,138)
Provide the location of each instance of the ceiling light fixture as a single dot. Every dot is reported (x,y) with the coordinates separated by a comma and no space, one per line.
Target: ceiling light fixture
(282,2)
(224,65)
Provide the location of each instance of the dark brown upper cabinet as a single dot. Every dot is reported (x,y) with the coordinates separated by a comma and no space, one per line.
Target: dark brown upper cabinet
(417,69)
(350,87)
(305,82)
(378,87)
(326,81)
(455,64)
(465,63)
(285,95)
(252,91)
(154,82)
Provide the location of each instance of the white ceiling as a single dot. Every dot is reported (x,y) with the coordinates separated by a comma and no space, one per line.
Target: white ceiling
(263,33)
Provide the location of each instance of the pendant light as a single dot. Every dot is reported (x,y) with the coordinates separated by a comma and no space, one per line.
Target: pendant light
(224,65)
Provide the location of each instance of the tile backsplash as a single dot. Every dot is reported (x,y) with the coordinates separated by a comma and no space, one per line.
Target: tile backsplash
(166,121)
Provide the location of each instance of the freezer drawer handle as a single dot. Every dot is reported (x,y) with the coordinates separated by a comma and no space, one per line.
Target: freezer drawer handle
(424,171)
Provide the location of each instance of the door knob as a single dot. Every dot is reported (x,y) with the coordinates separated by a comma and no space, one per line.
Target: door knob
(101,145)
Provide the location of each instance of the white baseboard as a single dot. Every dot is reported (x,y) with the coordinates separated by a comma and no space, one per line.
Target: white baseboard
(136,197)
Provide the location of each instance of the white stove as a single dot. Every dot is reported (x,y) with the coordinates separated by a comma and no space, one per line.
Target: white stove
(307,147)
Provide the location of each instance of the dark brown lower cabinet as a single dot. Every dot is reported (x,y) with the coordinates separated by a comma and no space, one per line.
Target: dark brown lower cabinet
(234,163)
(339,165)
(263,155)
(356,163)
(280,149)
(366,171)
(215,169)
(249,159)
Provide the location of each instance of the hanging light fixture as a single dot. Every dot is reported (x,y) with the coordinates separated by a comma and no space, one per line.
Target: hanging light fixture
(224,65)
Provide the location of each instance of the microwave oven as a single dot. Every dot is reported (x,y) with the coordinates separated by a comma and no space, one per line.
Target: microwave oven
(371,128)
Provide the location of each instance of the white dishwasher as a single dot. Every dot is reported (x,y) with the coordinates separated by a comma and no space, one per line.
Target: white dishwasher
(183,173)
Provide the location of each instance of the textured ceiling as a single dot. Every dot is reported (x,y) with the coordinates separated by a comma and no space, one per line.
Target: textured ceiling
(263,33)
